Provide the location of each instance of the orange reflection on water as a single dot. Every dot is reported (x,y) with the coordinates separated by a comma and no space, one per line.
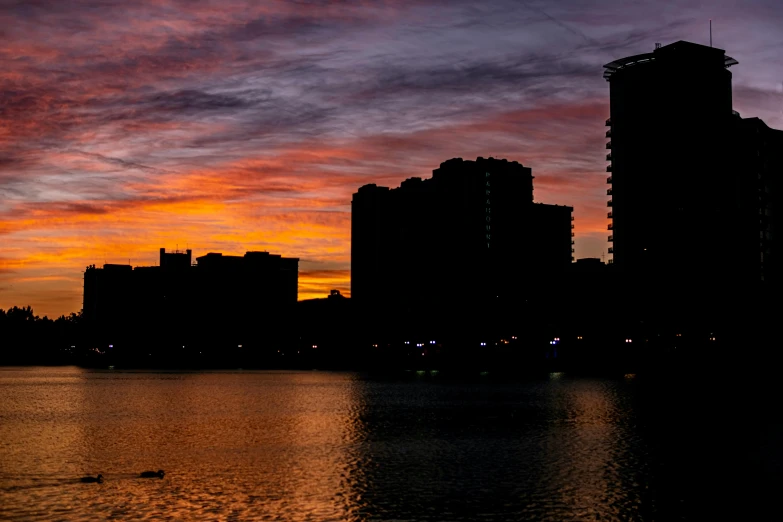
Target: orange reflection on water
(584,453)
(241,445)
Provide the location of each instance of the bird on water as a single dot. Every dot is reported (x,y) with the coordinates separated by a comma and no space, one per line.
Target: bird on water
(97,479)
(152,474)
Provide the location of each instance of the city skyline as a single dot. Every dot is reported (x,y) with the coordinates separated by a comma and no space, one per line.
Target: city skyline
(229,128)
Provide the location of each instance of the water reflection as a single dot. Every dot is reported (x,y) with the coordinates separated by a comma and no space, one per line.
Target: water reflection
(562,450)
(593,463)
(330,446)
(234,445)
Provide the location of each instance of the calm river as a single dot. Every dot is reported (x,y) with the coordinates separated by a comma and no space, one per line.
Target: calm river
(340,446)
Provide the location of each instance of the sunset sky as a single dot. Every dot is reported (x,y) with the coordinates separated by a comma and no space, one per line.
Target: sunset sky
(229,126)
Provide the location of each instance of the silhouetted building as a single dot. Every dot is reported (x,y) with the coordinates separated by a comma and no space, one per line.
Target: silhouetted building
(175,260)
(467,237)
(106,292)
(758,163)
(258,277)
(224,296)
(692,185)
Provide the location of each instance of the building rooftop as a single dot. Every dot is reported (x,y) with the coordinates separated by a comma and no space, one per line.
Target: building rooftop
(681,48)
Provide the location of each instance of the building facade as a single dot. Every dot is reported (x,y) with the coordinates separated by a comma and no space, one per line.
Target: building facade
(257,278)
(691,183)
(469,235)
(218,296)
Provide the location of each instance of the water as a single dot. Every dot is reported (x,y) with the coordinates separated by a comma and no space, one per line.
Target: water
(338,446)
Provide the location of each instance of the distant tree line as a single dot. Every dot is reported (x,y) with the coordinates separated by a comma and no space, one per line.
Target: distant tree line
(574,334)
(26,338)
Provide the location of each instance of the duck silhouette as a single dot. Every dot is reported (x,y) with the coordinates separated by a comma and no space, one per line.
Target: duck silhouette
(152,474)
(97,479)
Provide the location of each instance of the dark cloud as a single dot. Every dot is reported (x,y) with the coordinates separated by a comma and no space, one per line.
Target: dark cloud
(558,22)
(8,160)
(118,162)
(481,78)
(187,101)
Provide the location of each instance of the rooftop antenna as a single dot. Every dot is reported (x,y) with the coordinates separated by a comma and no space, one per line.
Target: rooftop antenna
(710,32)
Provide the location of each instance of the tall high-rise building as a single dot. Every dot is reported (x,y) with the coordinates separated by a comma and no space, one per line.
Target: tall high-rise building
(690,181)
(757,152)
(469,234)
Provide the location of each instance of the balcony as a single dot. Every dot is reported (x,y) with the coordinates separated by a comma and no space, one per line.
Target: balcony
(609,122)
(572,218)
(609,203)
(609,215)
(610,226)
(572,250)
(611,261)
(611,250)
(609,145)
(609,180)
(610,238)
(609,157)
(572,226)
(573,234)
(609,133)
(608,168)
(573,242)
(608,192)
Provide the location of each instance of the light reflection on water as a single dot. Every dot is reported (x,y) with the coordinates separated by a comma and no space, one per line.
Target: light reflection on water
(319,446)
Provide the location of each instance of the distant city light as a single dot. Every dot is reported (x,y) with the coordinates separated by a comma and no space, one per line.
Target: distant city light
(407,342)
(432,342)
(239,346)
(315,346)
(628,341)
(483,344)
(111,346)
